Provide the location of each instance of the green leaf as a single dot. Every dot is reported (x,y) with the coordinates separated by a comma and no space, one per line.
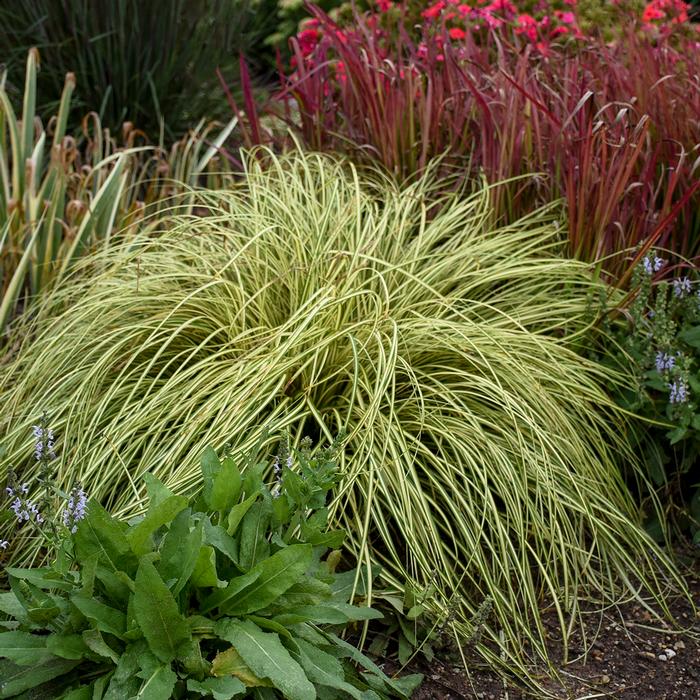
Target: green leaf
(219,688)
(95,642)
(204,574)
(314,589)
(44,610)
(344,584)
(226,486)
(158,685)
(157,613)
(210,465)
(158,515)
(229,663)
(41,578)
(324,669)
(277,573)
(332,539)
(332,613)
(82,693)
(216,536)
(238,512)
(157,490)
(99,687)
(16,679)
(41,607)
(11,605)
(281,511)
(293,487)
(266,623)
(253,543)
(199,624)
(691,336)
(133,630)
(265,655)
(67,646)
(235,586)
(677,434)
(118,586)
(100,534)
(405,649)
(179,552)
(103,617)
(88,573)
(415,612)
(403,687)
(348,650)
(23,648)
(192,661)
(252,479)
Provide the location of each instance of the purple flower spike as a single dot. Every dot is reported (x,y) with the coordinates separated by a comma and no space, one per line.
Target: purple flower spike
(678,392)
(653,264)
(681,287)
(664,361)
(44,443)
(76,508)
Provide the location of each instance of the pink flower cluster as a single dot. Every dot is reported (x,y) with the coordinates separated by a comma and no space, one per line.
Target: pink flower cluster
(674,11)
(453,20)
(540,28)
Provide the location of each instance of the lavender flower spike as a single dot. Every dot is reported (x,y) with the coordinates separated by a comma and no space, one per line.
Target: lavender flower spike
(678,392)
(652,265)
(664,361)
(44,443)
(76,508)
(681,287)
(25,510)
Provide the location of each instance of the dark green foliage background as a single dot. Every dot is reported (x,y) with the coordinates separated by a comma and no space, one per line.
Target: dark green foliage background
(134,60)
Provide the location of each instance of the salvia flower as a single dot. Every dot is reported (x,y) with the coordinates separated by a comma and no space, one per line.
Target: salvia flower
(664,361)
(76,508)
(681,287)
(26,510)
(3,544)
(653,264)
(44,443)
(678,392)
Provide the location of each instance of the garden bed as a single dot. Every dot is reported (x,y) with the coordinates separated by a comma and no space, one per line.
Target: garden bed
(628,660)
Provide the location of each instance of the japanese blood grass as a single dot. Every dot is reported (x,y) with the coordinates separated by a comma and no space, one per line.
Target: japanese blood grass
(482,451)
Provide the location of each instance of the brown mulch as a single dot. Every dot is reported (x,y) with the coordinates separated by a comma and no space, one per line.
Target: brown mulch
(632,657)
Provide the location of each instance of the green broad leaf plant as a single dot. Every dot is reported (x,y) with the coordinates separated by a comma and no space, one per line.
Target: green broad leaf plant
(658,341)
(229,594)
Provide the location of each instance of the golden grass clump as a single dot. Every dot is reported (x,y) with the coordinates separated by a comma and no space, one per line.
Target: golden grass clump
(482,453)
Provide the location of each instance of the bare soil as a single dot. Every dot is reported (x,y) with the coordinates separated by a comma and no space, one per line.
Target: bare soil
(632,657)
